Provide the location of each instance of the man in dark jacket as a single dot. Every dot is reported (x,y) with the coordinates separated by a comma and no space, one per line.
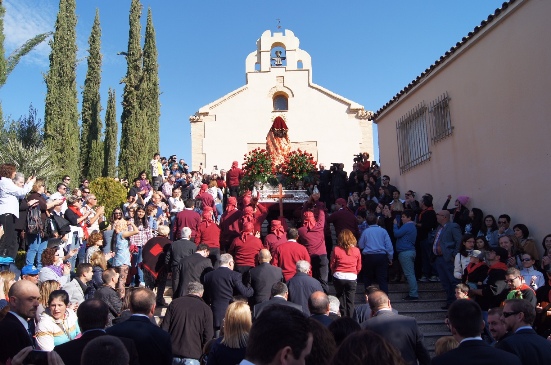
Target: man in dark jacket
(302,285)
(15,329)
(263,277)
(178,251)
(108,294)
(153,344)
(188,320)
(192,268)
(519,315)
(220,287)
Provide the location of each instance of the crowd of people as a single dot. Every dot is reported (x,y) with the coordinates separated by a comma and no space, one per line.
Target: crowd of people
(89,275)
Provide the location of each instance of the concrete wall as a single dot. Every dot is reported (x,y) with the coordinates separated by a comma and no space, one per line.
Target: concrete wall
(499,153)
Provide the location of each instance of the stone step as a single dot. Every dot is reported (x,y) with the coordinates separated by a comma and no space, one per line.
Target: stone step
(423,296)
(422,314)
(432,337)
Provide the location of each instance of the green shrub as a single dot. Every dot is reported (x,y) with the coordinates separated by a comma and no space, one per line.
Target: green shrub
(110,193)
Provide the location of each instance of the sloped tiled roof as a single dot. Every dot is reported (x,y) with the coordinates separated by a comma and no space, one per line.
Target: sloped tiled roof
(445,56)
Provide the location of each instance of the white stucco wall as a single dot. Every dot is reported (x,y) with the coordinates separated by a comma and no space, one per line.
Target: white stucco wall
(246,114)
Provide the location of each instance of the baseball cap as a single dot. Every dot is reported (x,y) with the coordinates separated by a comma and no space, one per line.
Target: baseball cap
(29,270)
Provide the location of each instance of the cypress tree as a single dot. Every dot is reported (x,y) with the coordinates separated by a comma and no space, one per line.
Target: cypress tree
(61,129)
(111,131)
(91,153)
(133,152)
(149,99)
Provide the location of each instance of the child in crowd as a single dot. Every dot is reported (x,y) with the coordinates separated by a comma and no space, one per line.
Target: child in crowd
(461,292)
(476,271)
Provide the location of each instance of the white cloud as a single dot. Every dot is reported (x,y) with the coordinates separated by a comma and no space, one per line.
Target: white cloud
(25,19)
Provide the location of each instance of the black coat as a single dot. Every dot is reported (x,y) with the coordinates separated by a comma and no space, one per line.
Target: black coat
(111,297)
(403,333)
(153,344)
(528,346)
(263,277)
(220,287)
(475,352)
(257,309)
(191,268)
(188,320)
(301,286)
(14,337)
(70,352)
(179,250)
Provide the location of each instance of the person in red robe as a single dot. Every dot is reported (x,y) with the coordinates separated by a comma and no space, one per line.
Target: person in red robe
(229,223)
(312,236)
(233,177)
(343,218)
(206,199)
(209,233)
(245,248)
(277,235)
(288,254)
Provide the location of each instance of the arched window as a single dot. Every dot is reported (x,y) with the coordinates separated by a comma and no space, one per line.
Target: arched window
(280,102)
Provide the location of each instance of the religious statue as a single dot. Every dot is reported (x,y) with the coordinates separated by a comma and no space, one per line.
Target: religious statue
(277,141)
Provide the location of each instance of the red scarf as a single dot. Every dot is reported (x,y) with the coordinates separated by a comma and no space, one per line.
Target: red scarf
(309,220)
(231,204)
(207,215)
(248,229)
(472,266)
(248,215)
(423,211)
(82,224)
(498,266)
(277,228)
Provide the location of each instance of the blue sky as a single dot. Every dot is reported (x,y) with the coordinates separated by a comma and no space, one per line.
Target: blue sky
(365,50)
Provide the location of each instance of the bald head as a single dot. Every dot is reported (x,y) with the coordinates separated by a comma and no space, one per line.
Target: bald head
(378,300)
(264,256)
(24,298)
(443,217)
(318,303)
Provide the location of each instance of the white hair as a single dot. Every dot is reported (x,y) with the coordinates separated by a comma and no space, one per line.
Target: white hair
(303,266)
(186,232)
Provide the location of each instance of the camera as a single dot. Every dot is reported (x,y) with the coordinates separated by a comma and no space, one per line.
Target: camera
(358,158)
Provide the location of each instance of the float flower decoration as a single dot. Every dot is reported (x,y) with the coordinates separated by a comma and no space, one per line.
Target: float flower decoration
(299,166)
(257,167)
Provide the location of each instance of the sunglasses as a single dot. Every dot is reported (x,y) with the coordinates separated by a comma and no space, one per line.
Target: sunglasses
(526,260)
(509,314)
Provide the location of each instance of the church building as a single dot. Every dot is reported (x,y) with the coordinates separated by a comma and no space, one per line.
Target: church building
(279,84)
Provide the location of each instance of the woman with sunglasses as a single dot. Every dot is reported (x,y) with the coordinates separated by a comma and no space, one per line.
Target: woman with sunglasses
(137,242)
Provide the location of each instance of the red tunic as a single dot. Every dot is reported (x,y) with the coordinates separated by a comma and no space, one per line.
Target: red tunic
(342,262)
(314,239)
(186,218)
(233,176)
(286,256)
(210,235)
(272,242)
(344,219)
(207,201)
(229,224)
(244,253)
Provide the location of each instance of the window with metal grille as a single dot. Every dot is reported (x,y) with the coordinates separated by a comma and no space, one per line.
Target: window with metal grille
(440,119)
(413,143)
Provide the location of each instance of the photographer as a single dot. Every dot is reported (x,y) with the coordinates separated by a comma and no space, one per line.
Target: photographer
(338,180)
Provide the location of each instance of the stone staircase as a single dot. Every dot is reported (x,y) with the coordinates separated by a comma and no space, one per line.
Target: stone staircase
(430,317)
(427,310)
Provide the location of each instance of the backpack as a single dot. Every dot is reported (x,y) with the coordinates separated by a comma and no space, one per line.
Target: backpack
(34,221)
